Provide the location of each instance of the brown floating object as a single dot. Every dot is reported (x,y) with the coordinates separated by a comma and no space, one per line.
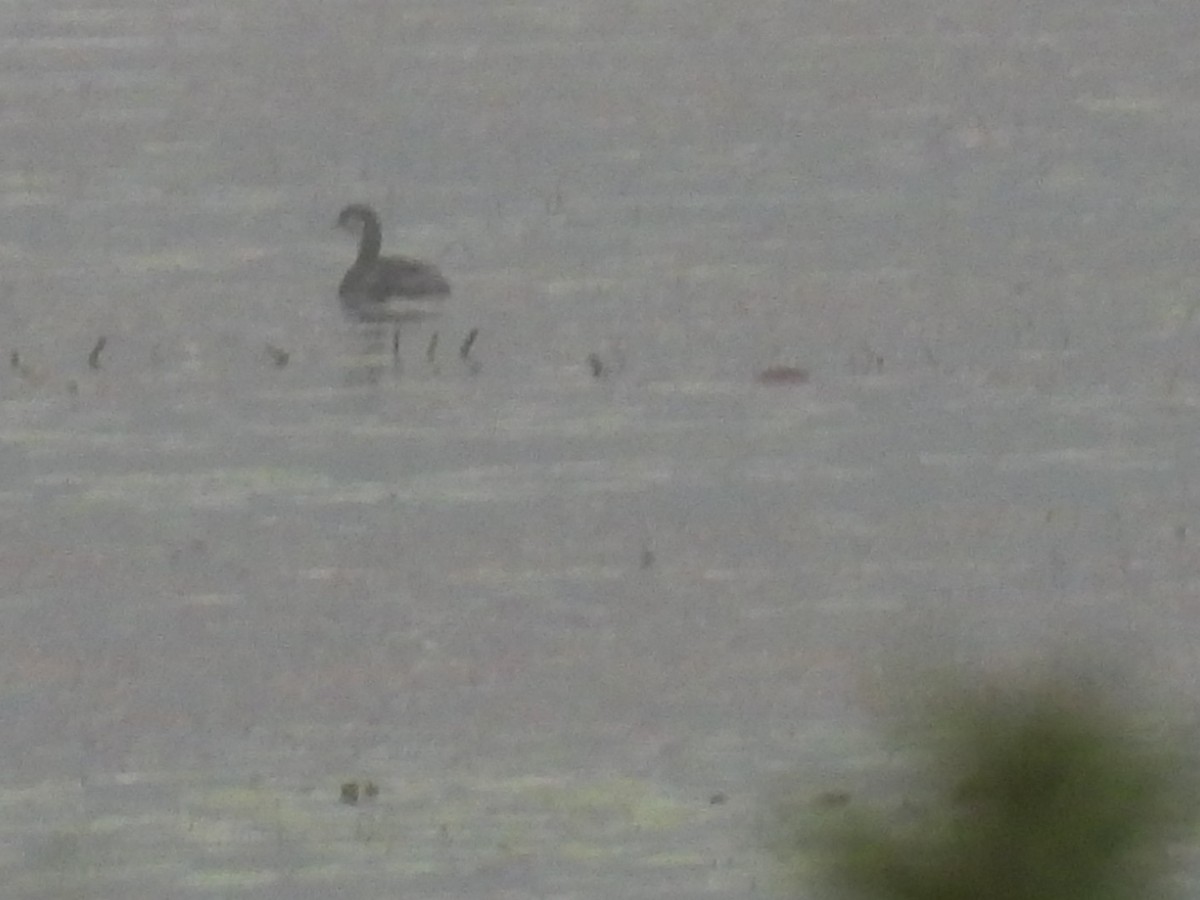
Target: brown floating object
(353,791)
(278,355)
(832,799)
(782,375)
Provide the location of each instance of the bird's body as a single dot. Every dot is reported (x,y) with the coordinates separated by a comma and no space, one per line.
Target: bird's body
(386,288)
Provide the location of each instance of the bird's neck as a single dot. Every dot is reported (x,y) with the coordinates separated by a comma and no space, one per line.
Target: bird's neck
(368,246)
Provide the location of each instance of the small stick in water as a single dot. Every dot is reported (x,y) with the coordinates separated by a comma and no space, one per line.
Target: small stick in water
(465,350)
(94,356)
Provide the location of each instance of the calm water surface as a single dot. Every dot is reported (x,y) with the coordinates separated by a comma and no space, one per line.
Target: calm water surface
(554,614)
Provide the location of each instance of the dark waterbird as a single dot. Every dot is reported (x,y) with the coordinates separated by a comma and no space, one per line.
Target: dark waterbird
(386,288)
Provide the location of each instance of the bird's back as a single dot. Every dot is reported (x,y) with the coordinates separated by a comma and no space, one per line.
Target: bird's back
(393,276)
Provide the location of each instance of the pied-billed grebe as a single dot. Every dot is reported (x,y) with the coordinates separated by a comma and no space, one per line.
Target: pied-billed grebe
(385,287)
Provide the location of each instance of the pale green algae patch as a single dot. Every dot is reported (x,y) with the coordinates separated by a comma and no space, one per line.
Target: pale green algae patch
(621,799)
(182,834)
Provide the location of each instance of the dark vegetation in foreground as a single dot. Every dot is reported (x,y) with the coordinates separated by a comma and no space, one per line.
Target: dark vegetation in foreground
(1032,787)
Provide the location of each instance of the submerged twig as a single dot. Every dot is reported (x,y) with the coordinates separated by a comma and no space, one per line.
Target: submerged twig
(465,350)
(94,356)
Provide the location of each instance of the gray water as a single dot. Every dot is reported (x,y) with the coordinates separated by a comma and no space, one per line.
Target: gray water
(572,602)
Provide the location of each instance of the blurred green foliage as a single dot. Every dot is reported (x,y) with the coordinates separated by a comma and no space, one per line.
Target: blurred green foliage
(1038,787)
